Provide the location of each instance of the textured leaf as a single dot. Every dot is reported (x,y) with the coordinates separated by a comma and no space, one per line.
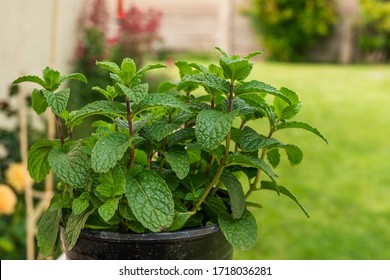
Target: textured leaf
(241,233)
(161,129)
(209,81)
(150,200)
(259,87)
(72,167)
(212,127)
(74,226)
(163,99)
(135,94)
(302,125)
(166,86)
(294,154)
(179,162)
(251,141)
(110,66)
(128,69)
(37,159)
(81,203)
(252,54)
(146,68)
(106,108)
(213,205)
(57,101)
(181,135)
(249,161)
(273,157)
(284,110)
(236,193)
(235,68)
(47,234)
(108,209)
(74,76)
(38,101)
(180,220)
(112,183)
(51,77)
(108,150)
(266,185)
(110,92)
(30,78)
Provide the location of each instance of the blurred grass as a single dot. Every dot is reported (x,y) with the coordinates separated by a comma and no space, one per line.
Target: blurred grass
(344,185)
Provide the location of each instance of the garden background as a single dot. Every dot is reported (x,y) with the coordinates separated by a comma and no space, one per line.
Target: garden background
(334,54)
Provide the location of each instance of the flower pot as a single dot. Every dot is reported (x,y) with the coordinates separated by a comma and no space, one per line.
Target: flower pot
(205,243)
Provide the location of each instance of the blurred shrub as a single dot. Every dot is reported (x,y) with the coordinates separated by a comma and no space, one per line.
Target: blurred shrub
(374,39)
(288,29)
(136,36)
(12,180)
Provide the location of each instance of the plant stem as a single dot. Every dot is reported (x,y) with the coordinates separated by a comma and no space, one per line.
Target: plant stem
(163,146)
(59,130)
(131,132)
(253,186)
(218,174)
(243,122)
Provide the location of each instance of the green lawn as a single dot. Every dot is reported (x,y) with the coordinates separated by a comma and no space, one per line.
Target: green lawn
(344,185)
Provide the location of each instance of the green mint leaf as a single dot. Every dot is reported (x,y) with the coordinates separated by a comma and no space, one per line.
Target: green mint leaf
(110,109)
(38,101)
(236,193)
(135,94)
(179,161)
(51,78)
(109,93)
(150,200)
(81,203)
(241,233)
(74,76)
(180,220)
(108,150)
(251,141)
(48,228)
(235,68)
(128,69)
(208,81)
(213,205)
(57,101)
(259,87)
(273,157)
(31,79)
(266,185)
(37,159)
(108,209)
(141,72)
(110,66)
(166,86)
(74,226)
(161,129)
(252,54)
(250,161)
(162,99)
(212,127)
(283,110)
(181,135)
(112,183)
(294,154)
(72,167)
(305,126)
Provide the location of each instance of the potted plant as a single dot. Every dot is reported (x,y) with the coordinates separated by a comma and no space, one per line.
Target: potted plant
(161,166)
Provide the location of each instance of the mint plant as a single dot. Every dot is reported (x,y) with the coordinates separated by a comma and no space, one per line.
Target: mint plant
(168,160)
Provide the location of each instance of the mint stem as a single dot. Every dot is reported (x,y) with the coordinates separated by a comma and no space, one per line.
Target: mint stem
(59,130)
(131,132)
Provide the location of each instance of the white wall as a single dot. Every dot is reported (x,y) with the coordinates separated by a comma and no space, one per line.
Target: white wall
(25,36)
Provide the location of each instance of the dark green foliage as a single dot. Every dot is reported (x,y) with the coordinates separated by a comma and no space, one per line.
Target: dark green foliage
(289,29)
(169,160)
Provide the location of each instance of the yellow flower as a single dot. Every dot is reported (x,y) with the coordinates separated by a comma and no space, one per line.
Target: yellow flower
(7,200)
(16,176)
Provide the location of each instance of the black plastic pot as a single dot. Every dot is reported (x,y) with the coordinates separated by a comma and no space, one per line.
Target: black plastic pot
(205,243)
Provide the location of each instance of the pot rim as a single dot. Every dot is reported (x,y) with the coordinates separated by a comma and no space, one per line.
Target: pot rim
(181,235)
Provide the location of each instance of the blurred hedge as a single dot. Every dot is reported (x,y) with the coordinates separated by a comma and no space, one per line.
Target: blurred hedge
(288,29)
